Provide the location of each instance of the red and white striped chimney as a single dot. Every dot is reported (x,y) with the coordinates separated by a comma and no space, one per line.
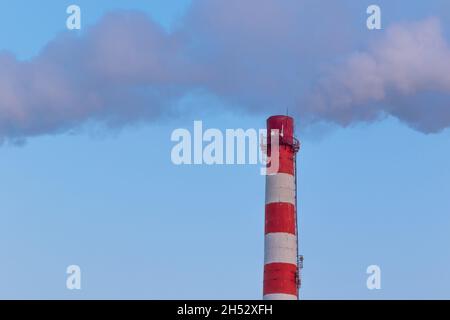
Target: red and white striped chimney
(281,273)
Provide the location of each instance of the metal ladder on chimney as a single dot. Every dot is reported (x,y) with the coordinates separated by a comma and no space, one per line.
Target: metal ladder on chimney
(300,258)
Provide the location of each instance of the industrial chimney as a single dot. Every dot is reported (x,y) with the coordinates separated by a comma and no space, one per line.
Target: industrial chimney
(281,259)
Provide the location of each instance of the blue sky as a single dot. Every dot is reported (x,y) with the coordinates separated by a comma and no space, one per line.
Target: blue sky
(112,202)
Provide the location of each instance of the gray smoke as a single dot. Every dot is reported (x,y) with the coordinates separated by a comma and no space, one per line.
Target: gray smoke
(256,55)
(406,74)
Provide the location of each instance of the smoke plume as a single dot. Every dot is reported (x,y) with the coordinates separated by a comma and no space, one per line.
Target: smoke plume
(256,55)
(406,74)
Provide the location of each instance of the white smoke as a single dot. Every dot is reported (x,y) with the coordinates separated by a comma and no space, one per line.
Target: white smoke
(256,55)
(406,74)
